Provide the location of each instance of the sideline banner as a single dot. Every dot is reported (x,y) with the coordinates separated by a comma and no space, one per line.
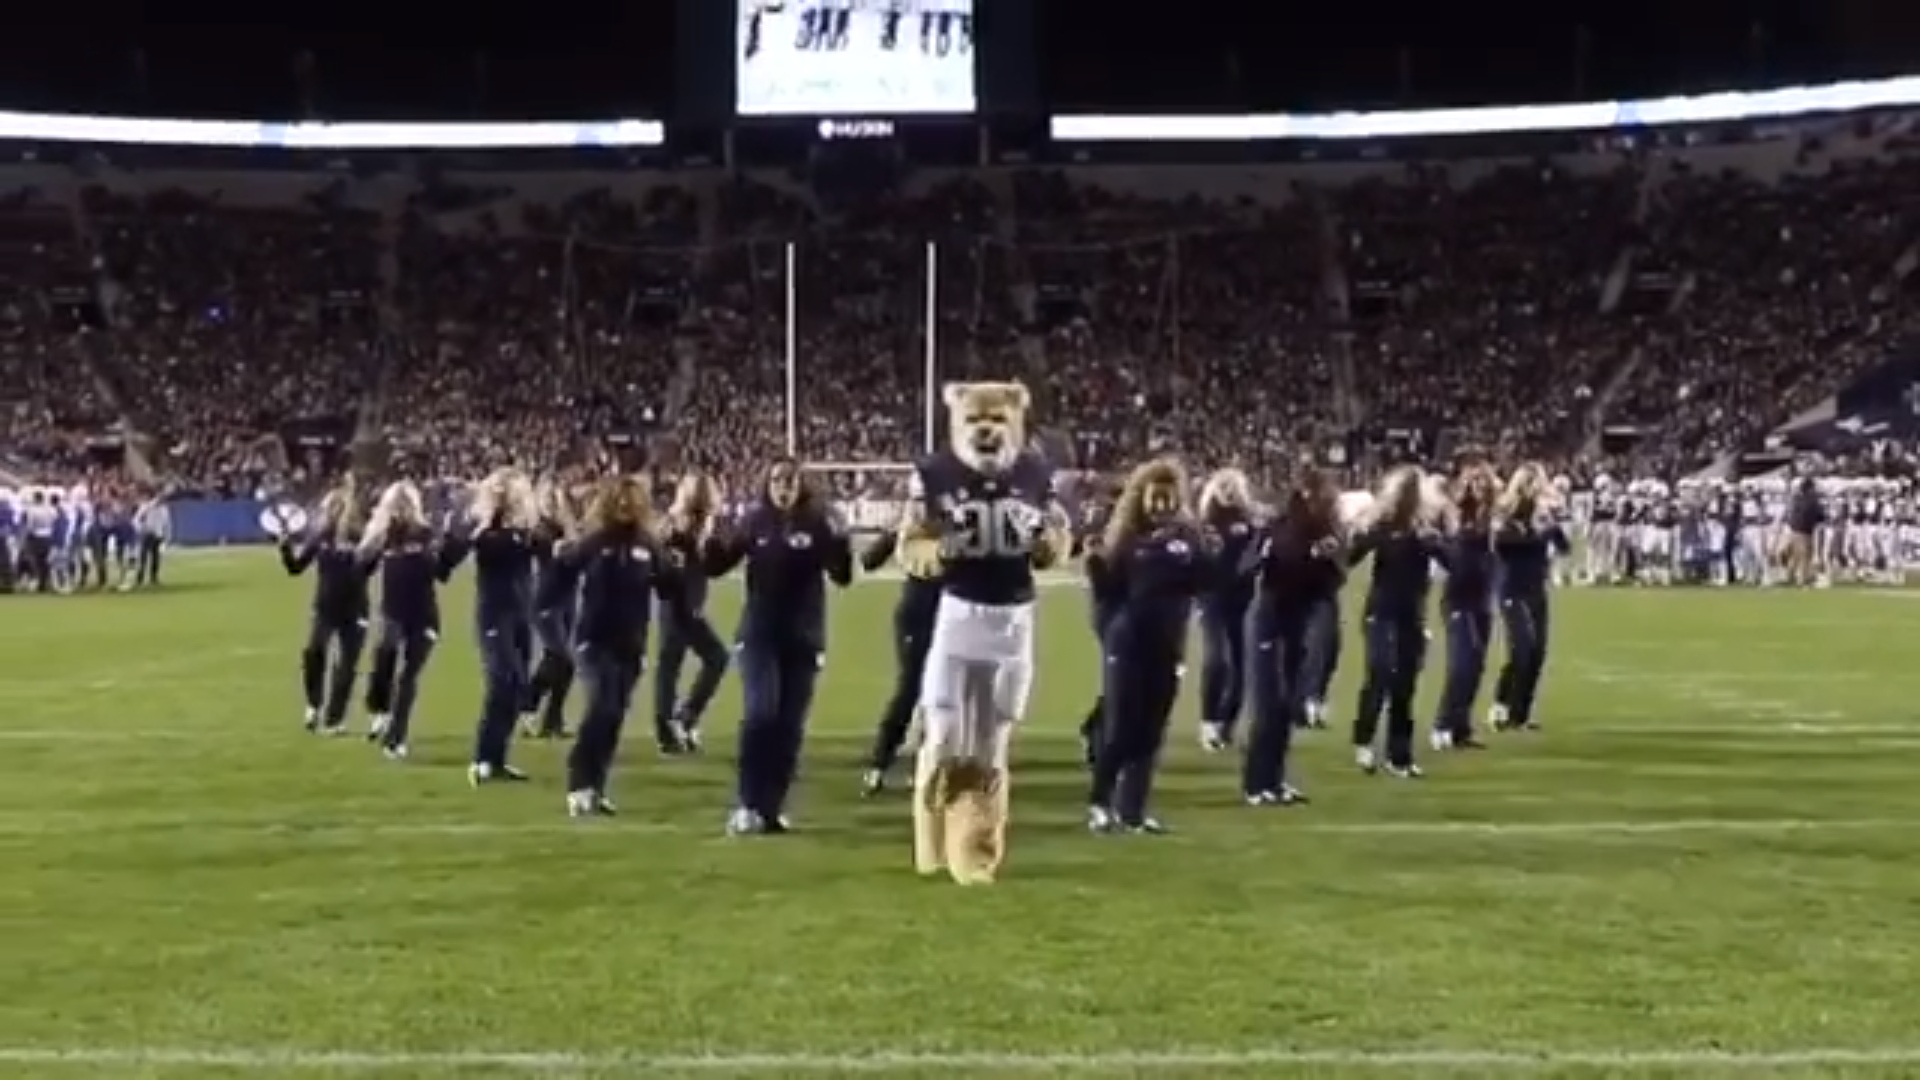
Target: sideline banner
(228,522)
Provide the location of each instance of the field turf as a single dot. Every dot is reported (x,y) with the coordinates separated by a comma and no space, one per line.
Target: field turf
(1705,866)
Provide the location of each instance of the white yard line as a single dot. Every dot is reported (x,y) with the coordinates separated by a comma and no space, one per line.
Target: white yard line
(1761,724)
(1706,691)
(1762,727)
(264,1059)
(189,668)
(69,824)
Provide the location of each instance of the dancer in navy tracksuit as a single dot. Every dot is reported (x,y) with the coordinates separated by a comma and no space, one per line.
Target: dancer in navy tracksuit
(1159,562)
(1298,561)
(1526,538)
(1104,594)
(912,632)
(1226,511)
(413,562)
(1325,634)
(556,603)
(338,622)
(792,545)
(503,541)
(1466,599)
(621,567)
(1404,540)
(684,627)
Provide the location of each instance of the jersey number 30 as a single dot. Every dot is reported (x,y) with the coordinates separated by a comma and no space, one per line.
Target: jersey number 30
(1001,528)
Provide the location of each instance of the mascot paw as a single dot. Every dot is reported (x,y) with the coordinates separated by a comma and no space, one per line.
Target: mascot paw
(921,558)
(1050,548)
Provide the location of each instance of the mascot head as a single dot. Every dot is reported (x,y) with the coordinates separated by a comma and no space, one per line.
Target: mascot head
(987,423)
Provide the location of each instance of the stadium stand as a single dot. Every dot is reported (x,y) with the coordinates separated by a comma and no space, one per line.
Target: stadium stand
(234,329)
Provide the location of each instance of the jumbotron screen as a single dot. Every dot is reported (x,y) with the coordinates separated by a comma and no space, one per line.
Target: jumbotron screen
(826,58)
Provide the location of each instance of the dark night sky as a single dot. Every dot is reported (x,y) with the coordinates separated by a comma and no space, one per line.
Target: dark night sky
(574,60)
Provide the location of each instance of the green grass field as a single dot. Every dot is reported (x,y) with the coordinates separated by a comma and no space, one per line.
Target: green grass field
(1704,867)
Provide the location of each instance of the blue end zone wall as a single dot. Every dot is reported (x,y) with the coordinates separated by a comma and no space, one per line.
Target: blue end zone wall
(227,522)
(213,523)
(219,522)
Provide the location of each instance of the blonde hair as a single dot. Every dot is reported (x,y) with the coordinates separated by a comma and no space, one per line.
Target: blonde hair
(1475,491)
(1523,492)
(620,502)
(340,508)
(400,506)
(556,505)
(1437,509)
(1226,488)
(1129,511)
(508,496)
(1399,500)
(695,500)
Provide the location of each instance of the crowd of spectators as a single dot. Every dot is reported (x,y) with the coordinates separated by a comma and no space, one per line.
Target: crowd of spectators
(1482,318)
(51,411)
(533,330)
(1791,289)
(1509,305)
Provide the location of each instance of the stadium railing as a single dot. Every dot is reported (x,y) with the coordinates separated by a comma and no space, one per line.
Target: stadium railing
(1783,103)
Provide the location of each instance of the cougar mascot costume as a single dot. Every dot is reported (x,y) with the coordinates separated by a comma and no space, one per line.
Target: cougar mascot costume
(982,518)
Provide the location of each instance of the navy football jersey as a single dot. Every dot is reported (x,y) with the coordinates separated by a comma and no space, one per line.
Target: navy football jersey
(988,523)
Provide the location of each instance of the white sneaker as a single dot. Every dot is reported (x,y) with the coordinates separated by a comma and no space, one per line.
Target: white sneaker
(581,803)
(1364,757)
(1442,739)
(1213,737)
